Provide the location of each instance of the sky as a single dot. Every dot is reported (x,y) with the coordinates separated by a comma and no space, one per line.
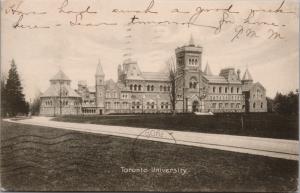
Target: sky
(40,53)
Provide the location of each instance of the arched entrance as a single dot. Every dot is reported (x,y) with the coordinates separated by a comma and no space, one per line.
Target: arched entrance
(195,106)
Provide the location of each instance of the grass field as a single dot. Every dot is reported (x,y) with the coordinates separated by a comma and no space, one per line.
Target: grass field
(37,158)
(254,124)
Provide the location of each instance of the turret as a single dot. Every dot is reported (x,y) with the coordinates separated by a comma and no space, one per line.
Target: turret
(239,74)
(247,78)
(191,42)
(207,70)
(120,73)
(99,76)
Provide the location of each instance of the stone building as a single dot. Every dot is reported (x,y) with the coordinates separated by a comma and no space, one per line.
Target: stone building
(60,98)
(149,92)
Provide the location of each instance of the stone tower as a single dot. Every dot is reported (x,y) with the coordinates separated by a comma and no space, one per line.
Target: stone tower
(189,75)
(100,88)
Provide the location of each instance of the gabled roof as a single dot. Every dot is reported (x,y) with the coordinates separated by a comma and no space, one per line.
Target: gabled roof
(156,76)
(247,75)
(215,79)
(60,76)
(111,85)
(55,89)
(248,87)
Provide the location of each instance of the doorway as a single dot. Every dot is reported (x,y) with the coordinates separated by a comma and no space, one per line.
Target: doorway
(195,106)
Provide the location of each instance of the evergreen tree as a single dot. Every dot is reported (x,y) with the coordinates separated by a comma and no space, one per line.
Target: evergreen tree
(15,99)
(286,104)
(3,97)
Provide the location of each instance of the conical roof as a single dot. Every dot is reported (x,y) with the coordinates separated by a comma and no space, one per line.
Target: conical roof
(60,76)
(99,70)
(207,70)
(247,75)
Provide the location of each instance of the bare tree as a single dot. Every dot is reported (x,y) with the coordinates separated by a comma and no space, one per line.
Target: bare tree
(171,63)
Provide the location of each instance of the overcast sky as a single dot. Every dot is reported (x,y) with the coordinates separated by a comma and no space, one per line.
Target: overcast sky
(39,53)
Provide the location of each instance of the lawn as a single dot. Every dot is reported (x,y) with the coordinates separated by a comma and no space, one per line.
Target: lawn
(253,124)
(35,158)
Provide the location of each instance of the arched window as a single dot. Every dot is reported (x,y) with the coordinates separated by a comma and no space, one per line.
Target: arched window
(190,61)
(161,88)
(135,87)
(225,89)
(261,105)
(220,89)
(131,87)
(214,89)
(237,90)
(140,87)
(253,105)
(148,87)
(220,105)
(152,105)
(165,88)
(152,88)
(193,83)
(231,89)
(162,105)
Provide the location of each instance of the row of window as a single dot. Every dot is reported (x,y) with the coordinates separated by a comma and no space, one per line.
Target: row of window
(148,88)
(226,90)
(193,62)
(136,105)
(111,95)
(92,111)
(89,101)
(225,105)
(257,106)
(63,103)
(226,97)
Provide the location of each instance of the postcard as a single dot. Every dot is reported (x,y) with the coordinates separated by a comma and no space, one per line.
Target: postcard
(149,95)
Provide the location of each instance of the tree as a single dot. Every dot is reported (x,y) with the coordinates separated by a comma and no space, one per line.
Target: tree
(286,104)
(172,78)
(36,103)
(15,99)
(3,97)
(270,105)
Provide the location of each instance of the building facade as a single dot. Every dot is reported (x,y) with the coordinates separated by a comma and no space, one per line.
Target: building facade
(149,92)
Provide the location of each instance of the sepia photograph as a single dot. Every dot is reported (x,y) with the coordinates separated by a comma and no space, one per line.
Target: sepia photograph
(149,96)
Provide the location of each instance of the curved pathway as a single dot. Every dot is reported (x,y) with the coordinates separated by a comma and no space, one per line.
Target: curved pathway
(278,148)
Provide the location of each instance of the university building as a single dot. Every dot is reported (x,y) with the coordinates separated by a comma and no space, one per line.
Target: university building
(149,92)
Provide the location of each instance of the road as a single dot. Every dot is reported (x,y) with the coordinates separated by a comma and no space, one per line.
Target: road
(278,148)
